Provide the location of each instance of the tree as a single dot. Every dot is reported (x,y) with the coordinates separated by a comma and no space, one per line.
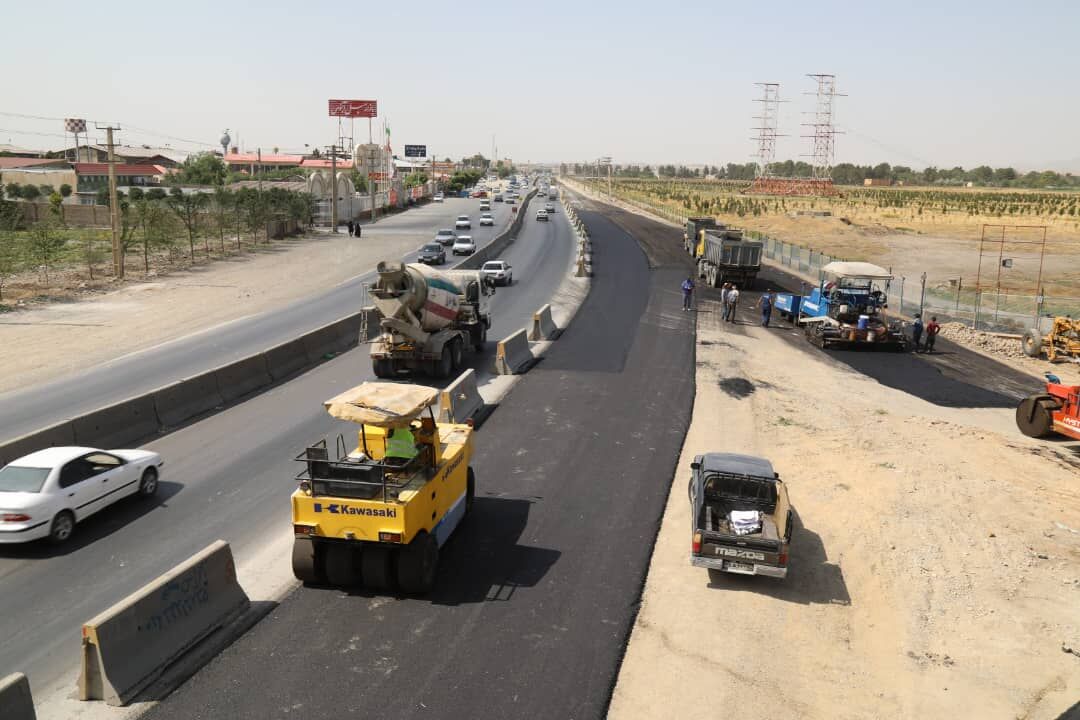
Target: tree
(91,247)
(30,192)
(65,191)
(45,242)
(12,257)
(156,223)
(256,212)
(135,194)
(221,212)
(101,197)
(186,206)
(155,194)
(359,181)
(46,190)
(201,169)
(13,190)
(56,206)
(415,179)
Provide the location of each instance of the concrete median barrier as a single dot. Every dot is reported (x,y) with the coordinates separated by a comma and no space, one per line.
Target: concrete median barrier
(287,359)
(128,646)
(513,355)
(191,397)
(60,434)
(332,339)
(119,425)
(461,399)
(16,702)
(242,377)
(543,325)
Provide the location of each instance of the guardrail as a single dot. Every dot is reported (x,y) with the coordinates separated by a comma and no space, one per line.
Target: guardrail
(137,418)
(16,702)
(584,255)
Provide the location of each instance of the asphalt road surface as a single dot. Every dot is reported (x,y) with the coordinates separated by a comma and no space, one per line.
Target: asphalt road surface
(537,592)
(33,408)
(227,476)
(952,376)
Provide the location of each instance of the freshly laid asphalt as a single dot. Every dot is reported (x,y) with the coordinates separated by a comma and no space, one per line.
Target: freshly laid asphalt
(537,591)
(24,411)
(226,476)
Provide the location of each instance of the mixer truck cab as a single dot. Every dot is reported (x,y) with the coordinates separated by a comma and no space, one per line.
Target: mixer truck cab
(427,318)
(375,515)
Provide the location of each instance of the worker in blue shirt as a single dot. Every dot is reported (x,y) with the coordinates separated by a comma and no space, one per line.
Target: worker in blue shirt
(766,304)
(687,292)
(916,332)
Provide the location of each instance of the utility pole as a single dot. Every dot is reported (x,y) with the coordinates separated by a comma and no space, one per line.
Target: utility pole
(260,168)
(333,186)
(114,204)
(371,179)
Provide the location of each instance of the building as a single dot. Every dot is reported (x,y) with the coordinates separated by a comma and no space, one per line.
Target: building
(253,163)
(876,182)
(39,175)
(13,151)
(91,177)
(321,163)
(16,163)
(126,155)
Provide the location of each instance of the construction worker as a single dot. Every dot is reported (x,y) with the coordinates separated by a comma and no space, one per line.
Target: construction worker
(733,302)
(687,292)
(766,303)
(916,332)
(932,330)
(724,305)
(401,445)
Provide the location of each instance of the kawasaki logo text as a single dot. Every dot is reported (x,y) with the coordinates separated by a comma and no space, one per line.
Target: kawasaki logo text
(338,509)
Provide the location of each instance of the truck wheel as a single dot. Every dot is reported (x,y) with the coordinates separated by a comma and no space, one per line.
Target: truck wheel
(305,562)
(375,567)
(417,563)
(1032,343)
(1034,415)
(383,367)
(455,354)
(478,346)
(341,565)
(445,365)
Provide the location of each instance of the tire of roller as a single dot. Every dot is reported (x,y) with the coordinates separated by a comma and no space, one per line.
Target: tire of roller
(1033,416)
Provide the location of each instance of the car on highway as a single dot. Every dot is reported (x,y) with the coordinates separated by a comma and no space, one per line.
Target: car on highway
(498,197)
(464,245)
(541,215)
(550,207)
(485,205)
(432,254)
(511,200)
(445,236)
(499,272)
(438,197)
(44,494)
(487,219)
(463,223)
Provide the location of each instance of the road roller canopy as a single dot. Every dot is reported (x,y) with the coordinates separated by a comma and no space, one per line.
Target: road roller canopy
(382,404)
(857,270)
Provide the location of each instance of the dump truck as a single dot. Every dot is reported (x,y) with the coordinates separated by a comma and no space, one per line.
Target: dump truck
(427,318)
(369,515)
(845,309)
(692,233)
(723,256)
(741,516)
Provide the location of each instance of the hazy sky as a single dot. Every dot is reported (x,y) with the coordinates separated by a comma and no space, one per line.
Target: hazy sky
(944,83)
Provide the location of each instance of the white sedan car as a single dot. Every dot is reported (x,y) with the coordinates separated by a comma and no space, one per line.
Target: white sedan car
(498,271)
(462,223)
(43,494)
(464,245)
(487,219)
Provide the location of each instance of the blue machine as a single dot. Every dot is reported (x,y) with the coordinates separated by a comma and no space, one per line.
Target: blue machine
(845,308)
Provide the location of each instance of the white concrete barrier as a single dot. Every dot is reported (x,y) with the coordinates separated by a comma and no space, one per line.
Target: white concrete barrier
(16,702)
(460,400)
(543,325)
(127,647)
(513,355)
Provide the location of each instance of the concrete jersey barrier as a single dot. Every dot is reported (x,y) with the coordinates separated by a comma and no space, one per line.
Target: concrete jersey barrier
(513,355)
(55,435)
(127,647)
(501,241)
(543,325)
(461,399)
(16,702)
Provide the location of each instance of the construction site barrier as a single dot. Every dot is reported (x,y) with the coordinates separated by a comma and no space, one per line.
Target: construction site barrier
(119,425)
(333,338)
(242,377)
(16,702)
(460,400)
(543,325)
(287,359)
(128,646)
(55,435)
(191,397)
(513,355)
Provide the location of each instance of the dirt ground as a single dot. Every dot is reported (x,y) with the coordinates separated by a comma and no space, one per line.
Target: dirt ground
(37,344)
(934,568)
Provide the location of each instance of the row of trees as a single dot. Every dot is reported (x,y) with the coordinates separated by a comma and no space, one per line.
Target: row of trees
(149,221)
(849,174)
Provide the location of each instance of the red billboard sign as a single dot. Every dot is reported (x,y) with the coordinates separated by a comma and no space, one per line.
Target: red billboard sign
(354,108)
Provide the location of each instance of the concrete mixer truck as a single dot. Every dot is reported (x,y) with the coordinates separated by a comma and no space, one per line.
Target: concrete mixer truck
(427,318)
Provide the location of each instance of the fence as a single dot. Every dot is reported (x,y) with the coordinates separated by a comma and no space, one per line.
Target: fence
(948,300)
